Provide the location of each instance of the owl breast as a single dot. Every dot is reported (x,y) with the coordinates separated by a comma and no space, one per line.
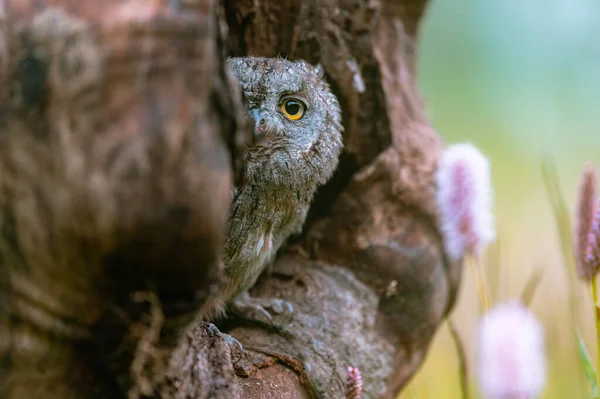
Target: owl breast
(264,245)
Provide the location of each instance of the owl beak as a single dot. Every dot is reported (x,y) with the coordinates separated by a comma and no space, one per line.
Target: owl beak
(259,123)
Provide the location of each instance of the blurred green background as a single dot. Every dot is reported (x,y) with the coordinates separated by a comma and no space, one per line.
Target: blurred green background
(521,80)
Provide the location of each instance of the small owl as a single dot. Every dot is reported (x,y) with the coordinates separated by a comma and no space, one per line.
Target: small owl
(297,129)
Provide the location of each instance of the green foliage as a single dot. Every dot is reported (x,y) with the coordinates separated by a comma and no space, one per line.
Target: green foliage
(563,225)
(588,366)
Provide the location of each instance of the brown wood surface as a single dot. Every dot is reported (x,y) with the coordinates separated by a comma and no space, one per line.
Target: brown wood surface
(121,138)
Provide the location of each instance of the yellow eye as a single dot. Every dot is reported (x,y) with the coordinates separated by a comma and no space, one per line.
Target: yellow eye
(293,109)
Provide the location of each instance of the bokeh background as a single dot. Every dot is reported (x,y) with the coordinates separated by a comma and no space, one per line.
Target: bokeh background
(521,80)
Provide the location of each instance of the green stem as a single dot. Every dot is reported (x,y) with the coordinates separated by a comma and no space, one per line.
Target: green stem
(485,301)
(463,376)
(597,323)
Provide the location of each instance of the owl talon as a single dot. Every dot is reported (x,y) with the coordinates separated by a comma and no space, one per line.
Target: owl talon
(235,347)
(279,306)
(252,312)
(255,309)
(233,343)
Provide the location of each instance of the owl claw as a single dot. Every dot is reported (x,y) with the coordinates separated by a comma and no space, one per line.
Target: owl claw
(279,306)
(233,343)
(235,346)
(252,311)
(255,309)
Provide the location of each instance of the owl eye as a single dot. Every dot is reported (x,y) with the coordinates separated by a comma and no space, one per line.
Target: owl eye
(293,109)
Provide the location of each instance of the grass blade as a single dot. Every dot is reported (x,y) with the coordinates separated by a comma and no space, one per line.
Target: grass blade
(588,366)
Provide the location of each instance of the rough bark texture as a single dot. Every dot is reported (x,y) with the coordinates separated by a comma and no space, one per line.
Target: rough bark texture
(116,118)
(120,129)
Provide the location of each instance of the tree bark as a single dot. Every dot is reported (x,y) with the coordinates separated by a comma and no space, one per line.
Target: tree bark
(119,130)
(122,156)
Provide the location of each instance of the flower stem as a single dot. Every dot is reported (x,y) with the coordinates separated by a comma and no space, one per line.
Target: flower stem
(485,301)
(597,323)
(462,360)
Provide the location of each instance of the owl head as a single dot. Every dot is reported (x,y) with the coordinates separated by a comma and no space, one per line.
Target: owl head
(296,119)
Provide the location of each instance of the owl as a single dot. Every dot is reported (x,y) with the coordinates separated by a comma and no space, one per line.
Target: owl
(298,139)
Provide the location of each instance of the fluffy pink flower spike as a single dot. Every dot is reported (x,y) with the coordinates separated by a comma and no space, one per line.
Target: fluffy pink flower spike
(353,383)
(592,255)
(511,353)
(586,206)
(464,198)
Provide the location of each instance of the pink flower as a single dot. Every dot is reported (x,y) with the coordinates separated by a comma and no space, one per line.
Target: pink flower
(592,255)
(353,383)
(511,353)
(464,197)
(586,205)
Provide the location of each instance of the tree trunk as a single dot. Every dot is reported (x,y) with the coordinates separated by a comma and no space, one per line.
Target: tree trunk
(122,131)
